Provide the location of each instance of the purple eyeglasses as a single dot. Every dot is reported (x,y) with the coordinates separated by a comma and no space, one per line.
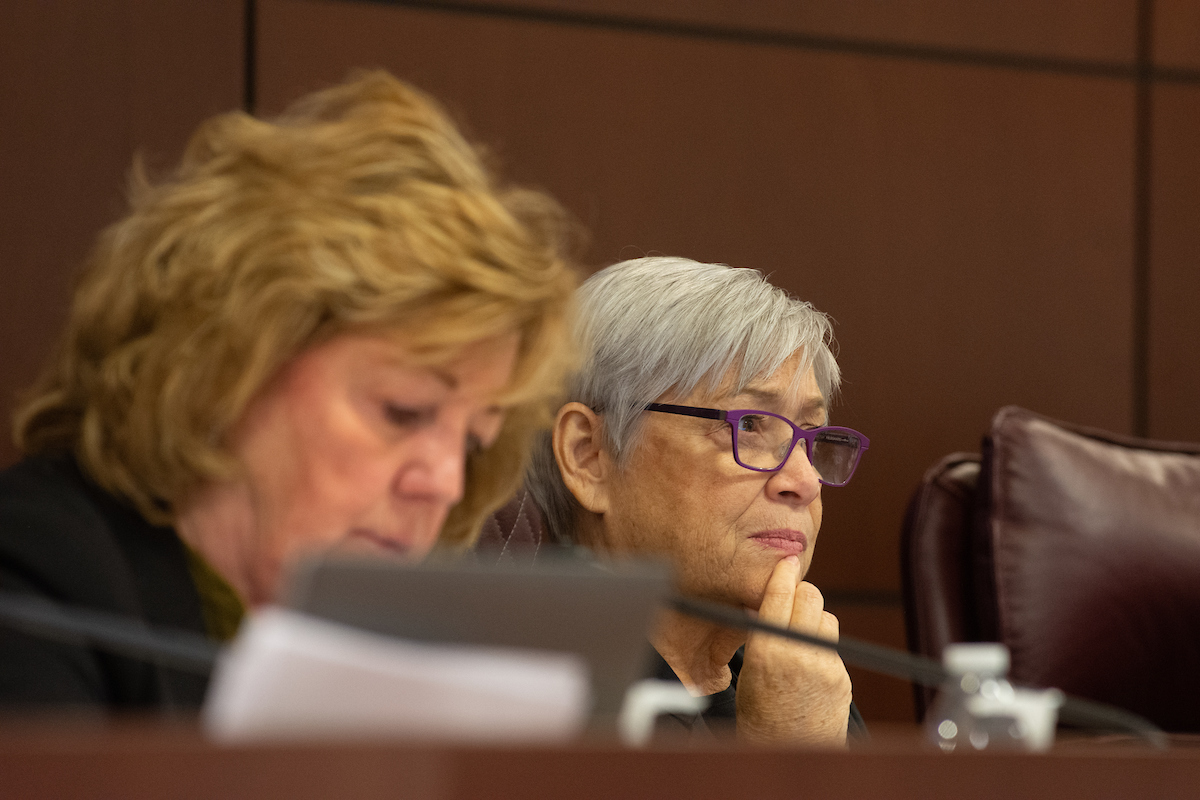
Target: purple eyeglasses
(762,441)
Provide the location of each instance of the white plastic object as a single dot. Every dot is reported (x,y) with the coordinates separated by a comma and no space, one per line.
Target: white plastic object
(645,701)
(981,658)
(1034,713)
(978,708)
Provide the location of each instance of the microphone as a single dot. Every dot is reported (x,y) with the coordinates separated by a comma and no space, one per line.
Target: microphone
(192,652)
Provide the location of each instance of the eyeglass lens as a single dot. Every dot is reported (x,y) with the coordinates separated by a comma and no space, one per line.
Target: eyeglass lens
(762,442)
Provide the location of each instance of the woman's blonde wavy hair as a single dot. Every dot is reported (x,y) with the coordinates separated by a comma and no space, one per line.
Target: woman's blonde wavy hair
(362,208)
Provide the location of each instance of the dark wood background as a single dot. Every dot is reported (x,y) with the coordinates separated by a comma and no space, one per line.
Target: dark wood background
(996,201)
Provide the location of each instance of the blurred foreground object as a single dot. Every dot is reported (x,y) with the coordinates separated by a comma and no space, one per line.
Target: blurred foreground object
(443,650)
(602,615)
(292,676)
(1077,549)
(977,708)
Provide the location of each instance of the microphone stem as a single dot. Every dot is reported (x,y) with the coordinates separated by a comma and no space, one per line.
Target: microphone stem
(182,650)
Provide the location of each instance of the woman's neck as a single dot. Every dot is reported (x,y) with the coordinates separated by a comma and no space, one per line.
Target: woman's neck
(217,522)
(697,651)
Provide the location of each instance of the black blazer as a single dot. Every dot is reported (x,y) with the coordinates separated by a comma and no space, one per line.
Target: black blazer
(64,538)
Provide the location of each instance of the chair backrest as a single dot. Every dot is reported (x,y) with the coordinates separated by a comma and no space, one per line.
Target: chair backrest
(1079,549)
(513,533)
(934,571)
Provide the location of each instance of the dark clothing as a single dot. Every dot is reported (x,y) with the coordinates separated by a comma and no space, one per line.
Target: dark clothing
(721,714)
(65,539)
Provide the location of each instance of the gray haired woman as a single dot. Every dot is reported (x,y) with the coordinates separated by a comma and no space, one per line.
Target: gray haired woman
(696,429)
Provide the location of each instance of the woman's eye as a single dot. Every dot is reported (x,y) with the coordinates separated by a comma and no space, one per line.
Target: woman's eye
(403,417)
(748,423)
(484,428)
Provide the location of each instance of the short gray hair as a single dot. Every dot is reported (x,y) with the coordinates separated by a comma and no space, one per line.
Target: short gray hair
(650,326)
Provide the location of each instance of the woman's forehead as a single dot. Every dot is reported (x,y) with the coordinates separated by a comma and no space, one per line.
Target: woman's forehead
(787,390)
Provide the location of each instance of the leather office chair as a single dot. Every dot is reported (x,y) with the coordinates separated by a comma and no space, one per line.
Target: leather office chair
(1077,548)
(512,534)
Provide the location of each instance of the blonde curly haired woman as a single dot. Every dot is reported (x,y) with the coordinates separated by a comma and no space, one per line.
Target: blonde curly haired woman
(330,331)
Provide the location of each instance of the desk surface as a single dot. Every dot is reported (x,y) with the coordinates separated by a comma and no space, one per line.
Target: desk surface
(144,760)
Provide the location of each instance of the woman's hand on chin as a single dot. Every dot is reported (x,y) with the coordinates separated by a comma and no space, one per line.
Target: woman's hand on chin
(792,693)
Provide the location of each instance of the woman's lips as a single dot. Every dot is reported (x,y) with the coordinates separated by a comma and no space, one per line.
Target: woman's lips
(784,540)
(383,542)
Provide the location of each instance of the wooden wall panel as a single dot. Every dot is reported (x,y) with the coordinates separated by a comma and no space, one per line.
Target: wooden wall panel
(1177,33)
(84,86)
(879,697)
(968,228)
(1175,265)
(1101,30)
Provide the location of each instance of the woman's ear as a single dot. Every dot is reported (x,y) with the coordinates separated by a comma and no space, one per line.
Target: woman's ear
(579,451)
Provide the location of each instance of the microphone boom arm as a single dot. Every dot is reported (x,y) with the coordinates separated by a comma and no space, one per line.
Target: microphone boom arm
(920,669)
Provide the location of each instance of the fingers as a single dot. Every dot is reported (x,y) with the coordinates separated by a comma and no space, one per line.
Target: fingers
(809,614)
(779,599)
(830,627)
(799,606)
(807,608)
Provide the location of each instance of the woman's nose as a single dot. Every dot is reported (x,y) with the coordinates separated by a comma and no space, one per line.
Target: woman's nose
(797,480)
(433,466)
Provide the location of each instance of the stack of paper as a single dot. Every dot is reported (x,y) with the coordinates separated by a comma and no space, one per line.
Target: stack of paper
(288,675)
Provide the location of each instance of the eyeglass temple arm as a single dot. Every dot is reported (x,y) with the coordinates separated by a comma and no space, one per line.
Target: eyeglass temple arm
(687,411)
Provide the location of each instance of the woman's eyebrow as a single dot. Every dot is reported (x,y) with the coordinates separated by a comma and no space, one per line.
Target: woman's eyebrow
(812,406)
(815,409)
(763,396)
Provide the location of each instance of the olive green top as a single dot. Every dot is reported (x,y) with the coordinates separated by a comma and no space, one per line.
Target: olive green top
(219,603)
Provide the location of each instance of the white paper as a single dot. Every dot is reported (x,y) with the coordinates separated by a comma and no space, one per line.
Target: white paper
(289,676)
